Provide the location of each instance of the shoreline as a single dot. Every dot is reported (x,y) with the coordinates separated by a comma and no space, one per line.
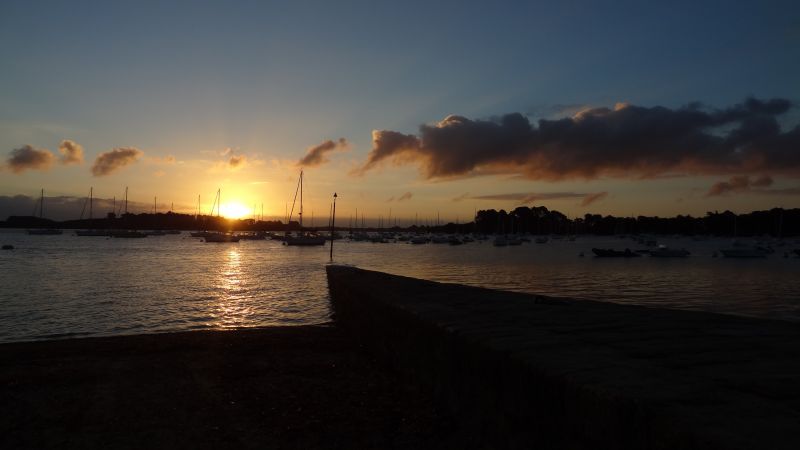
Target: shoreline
(409,363)
(274,387)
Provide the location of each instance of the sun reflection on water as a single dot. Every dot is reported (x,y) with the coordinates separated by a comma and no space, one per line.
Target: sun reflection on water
(232,306)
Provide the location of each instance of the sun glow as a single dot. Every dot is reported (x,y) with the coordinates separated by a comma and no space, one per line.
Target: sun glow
(235,210)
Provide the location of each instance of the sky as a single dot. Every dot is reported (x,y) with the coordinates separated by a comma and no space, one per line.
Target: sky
(405,109)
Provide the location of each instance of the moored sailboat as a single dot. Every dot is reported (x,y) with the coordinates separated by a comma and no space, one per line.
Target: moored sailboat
(302,238)
(44,231)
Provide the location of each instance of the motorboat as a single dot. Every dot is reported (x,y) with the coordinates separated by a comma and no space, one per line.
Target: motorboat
(611,253)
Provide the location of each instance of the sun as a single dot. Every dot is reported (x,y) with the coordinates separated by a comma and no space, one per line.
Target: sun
(234,210)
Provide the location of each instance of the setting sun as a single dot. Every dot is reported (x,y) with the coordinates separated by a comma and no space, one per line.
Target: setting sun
(235,210)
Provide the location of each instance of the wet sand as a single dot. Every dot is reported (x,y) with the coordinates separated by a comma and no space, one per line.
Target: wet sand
(285,387)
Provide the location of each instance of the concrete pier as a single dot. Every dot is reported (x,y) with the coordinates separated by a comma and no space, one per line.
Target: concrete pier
(525,371)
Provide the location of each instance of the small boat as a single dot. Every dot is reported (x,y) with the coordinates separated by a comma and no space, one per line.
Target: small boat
(92,233)
(305,240)
(418,240)
(221,237)
(500,241)
(127,234)
(541,240)
(611,253)
(438,239)
(455,241)
(45,231)
(253,236)
(665,252)
(201,234)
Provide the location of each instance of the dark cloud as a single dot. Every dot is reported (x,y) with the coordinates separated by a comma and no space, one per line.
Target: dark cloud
(109,162)
(531,197)
(592,198)
(71,152)
(744,184)
(237,162)
(28,157)
(389,144)
(316,155)
(404,197)
(626,141)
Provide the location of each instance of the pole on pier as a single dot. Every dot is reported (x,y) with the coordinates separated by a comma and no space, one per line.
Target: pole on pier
(333,221)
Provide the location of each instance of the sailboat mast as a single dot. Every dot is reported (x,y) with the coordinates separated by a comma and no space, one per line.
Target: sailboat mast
(91,198)
(126,199)
(301,199)
(41,206)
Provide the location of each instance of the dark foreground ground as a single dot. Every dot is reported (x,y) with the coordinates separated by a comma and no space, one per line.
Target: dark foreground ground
(285,387)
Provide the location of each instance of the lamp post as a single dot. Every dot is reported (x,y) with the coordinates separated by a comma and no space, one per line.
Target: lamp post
(333,221)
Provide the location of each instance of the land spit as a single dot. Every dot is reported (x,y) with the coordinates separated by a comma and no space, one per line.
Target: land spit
(304,387)
(525,371)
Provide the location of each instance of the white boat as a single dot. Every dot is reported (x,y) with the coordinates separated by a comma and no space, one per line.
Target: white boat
(302,238)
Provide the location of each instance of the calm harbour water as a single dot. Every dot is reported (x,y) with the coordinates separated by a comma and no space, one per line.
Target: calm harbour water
(68,286)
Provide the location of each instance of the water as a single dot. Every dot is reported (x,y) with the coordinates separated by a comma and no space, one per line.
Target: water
(67,286)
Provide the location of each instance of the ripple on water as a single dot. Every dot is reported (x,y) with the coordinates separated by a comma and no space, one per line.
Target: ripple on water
(63,286)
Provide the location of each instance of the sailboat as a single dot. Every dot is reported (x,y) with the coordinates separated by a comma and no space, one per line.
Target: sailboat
(302,238)
(127,234)
(218,236)
(44,231)
(91,232)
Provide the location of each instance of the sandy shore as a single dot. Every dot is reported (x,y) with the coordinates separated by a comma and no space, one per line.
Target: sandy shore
(285,387)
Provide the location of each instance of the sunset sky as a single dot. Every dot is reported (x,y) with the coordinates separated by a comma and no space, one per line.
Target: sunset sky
(417,107)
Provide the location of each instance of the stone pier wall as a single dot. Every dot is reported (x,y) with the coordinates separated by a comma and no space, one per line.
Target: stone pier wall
(524,371)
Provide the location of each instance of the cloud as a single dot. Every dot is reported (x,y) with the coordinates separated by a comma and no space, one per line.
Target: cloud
(461,197)
(592,198)
(404,197)
(162,160)
(28,157)
(741,183)
(236,162)
(71,152)
(111,161)
(525,198)
(627,141)
(316,155)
